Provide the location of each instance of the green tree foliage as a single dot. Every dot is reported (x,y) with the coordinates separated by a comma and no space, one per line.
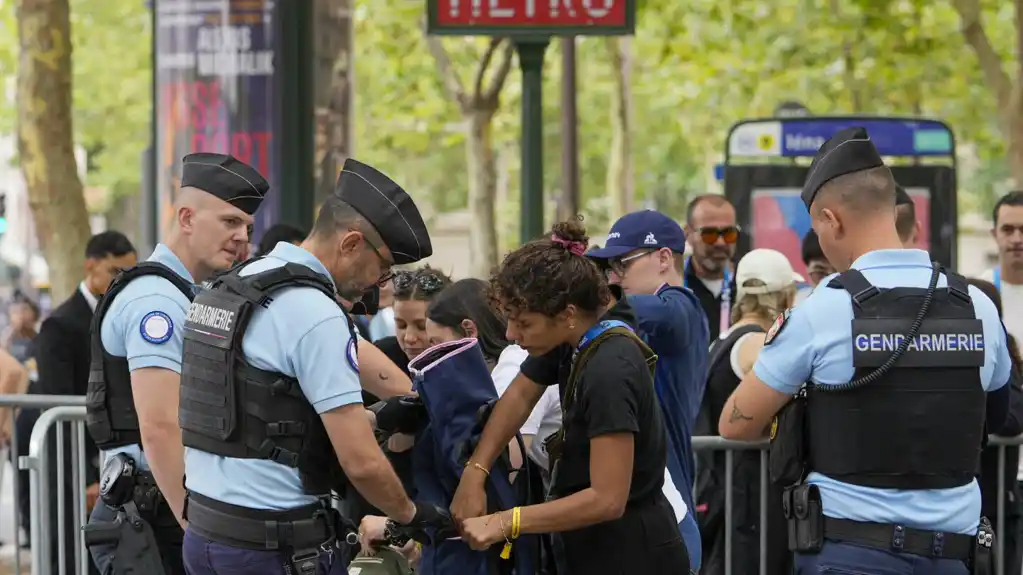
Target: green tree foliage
(112,91)
(698,67)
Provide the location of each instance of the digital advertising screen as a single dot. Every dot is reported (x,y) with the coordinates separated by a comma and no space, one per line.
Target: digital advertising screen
(780,221)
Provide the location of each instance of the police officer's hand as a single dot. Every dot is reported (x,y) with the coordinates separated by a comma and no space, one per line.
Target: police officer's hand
(482,532)
(430,516)
(413,551)
(470,498)
(401,414)
(372,532)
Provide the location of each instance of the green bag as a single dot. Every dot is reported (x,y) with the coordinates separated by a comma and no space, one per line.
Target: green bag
(387,561)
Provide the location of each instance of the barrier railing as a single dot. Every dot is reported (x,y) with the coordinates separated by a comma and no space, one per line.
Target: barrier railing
(61,411)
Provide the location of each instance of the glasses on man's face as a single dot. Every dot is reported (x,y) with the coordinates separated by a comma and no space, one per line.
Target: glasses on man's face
(385,264)
(620,265)
(710,235)
(427,282)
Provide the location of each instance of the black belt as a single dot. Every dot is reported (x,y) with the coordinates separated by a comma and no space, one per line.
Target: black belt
(901,539)
(308,527)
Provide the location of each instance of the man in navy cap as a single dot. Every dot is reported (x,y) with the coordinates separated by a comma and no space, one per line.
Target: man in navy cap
(271,396)
(136,362)
(644,255)
(882,380)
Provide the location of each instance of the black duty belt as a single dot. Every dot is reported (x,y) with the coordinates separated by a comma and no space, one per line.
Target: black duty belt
(311,526)
(900,539)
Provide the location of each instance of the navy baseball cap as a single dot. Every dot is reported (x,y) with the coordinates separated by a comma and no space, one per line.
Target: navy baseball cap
(638,230)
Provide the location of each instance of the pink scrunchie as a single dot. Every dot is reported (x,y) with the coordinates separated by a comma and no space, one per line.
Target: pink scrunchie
(575,246)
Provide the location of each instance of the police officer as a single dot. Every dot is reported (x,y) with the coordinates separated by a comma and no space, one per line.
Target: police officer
(271,400)
(900,360)
(136,365)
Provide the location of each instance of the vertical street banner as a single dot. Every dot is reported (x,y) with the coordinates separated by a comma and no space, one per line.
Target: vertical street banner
(215,91)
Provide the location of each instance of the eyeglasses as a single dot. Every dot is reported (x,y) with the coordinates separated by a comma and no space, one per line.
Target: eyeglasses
(729,234)
(621,265)
(427,282)
(385,264)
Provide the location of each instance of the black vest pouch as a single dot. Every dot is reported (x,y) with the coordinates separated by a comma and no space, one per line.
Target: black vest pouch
(787,455)
(212,401)
(804,515)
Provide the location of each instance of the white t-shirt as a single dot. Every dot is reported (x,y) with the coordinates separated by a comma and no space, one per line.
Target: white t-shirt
(545,418)
(714,286)
(1012,305)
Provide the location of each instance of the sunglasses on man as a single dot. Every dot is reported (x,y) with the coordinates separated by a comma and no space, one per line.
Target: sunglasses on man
(711,235)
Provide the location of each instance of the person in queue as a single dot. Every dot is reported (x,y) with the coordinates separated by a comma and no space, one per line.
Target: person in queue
(463,310)
(269,404)
(644,255)
(609,458)
(766,287)
(1008,529)
(1007,276)
(713,231)
(817,265)
(906,223)
(136,357)
(891,430)
(459,311)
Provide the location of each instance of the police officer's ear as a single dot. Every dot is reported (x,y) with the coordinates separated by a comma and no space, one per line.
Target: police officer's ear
(469,328)
(350,242)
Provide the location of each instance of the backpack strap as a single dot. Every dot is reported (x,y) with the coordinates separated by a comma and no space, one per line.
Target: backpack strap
(720,349)
(584,357)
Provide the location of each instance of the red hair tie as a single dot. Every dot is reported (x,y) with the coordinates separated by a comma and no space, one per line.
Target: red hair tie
(575,246)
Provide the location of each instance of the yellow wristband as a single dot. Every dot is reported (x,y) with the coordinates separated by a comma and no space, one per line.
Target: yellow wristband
(479,467)
(516,522)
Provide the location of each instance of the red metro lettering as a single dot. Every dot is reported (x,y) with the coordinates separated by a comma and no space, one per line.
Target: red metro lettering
(531,12)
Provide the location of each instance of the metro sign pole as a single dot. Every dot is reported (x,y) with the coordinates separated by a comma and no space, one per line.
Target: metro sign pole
(531,24)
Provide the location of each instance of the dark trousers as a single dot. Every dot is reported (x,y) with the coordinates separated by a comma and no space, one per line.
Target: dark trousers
(205,557)
(165,528)
(645,540)
(838,558)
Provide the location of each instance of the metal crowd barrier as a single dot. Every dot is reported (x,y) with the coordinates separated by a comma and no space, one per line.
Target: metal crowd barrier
(59,410)
(711,443)
(63,410)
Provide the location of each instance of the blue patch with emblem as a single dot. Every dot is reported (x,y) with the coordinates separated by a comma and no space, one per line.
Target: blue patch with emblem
(352,355)
(156,327)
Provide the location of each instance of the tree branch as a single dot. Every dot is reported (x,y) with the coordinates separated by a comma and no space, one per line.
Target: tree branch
(448,76)
(501,75)
(990,62)
(481,70)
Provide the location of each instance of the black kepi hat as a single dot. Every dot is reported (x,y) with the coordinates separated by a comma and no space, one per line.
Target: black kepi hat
(848,151)
(225,177)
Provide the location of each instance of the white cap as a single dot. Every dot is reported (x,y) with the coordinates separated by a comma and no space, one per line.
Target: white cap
(770,267)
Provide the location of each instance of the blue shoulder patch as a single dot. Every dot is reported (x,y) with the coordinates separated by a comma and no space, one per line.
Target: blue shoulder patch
(156,327)
(352,355)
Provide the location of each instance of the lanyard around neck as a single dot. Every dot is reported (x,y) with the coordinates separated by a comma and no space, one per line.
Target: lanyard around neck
(726,295)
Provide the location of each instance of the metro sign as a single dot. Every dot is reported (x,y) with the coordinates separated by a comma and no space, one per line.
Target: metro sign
(533,18)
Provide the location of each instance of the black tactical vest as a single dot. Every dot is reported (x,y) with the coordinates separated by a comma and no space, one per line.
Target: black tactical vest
(920,425)
(233,409)
(110,406)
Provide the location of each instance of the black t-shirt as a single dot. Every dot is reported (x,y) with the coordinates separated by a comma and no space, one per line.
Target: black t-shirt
(615,394)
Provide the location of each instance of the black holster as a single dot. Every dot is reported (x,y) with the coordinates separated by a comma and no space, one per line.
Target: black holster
(787,460)
(804,516)
(137,551)
(983,560)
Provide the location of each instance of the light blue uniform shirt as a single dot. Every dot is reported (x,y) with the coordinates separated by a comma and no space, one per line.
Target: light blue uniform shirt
(815,345)
(302,334)
(144,324)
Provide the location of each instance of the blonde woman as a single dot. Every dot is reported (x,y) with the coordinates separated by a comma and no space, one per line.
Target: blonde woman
(766,286)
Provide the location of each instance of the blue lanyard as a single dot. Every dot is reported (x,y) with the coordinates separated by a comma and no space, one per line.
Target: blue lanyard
(998,279)
(595,331)
(726,294)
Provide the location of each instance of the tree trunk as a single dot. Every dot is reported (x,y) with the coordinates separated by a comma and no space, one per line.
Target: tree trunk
(333,92)
(482,163)
(619,164)
(46,140)
(1014,127)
